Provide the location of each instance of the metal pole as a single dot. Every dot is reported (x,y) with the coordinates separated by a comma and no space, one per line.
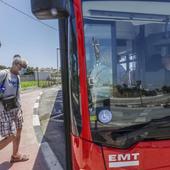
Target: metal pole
(63,32)
(58,50)
(38,78)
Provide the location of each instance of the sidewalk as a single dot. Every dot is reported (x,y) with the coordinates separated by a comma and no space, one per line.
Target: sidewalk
(29,144)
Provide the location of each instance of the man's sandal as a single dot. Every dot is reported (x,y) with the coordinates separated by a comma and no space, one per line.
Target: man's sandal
(21,158)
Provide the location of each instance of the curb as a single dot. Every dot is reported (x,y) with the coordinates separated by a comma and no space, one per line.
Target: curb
(50,158)
(36,120)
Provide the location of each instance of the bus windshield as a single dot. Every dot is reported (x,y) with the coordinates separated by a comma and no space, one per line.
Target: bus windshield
(128,70)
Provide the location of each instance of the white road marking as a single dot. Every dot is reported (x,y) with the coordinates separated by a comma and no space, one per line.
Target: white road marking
(57,116)
(50,158)
(56,120)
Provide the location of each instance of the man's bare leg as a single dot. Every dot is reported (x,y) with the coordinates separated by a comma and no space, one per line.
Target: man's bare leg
(4,142)
(16,156)
(16,142)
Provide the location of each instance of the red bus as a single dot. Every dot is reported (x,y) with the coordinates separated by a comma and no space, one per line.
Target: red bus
(116,81)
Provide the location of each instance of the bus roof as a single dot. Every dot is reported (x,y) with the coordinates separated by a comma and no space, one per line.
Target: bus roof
(134,0)
(158,8)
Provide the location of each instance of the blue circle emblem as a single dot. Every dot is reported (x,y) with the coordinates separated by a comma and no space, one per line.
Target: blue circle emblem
(105,116)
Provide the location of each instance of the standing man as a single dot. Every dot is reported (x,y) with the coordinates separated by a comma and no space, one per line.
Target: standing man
(11,117)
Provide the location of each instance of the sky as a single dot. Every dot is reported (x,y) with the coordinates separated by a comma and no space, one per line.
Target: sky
(24,36)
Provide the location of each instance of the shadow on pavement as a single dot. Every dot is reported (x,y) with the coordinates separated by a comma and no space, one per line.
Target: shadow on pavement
(5,165)
(54,132)
(39,163)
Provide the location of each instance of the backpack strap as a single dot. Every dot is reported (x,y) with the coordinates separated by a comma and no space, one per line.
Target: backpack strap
(3,82)
(17,85)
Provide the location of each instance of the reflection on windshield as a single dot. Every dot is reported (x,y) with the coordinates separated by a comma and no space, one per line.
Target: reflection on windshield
(133,67)
(128,69)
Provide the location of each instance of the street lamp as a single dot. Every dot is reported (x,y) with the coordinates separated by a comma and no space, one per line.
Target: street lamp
(38,81)
(58,50)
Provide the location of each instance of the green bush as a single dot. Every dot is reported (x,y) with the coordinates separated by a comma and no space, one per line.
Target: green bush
(30,84)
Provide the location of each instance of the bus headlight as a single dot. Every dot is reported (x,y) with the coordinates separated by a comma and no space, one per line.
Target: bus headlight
(105,116)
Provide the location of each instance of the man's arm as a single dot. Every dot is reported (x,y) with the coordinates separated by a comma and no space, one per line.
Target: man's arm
(18,93)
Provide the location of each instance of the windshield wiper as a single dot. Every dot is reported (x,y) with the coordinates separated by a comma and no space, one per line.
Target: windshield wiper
(161,120)
(128,136)
(133,134)
(132,127)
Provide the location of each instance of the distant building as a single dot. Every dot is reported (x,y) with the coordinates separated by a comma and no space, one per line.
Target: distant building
(42,75)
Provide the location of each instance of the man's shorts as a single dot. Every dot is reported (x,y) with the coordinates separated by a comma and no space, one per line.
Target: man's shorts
(10,121)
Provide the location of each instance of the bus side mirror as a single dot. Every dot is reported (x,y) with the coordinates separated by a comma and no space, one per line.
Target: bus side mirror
(49,9)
